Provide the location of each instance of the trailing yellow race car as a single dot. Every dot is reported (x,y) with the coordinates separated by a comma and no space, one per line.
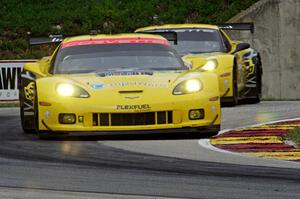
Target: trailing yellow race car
(237,65)
(116,84)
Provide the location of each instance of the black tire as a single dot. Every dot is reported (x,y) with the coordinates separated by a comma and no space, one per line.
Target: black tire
(234,99)
(211,134)
(258,87)
(25,129)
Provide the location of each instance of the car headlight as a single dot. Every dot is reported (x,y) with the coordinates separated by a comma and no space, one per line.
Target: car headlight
(188,86)
(70,90)
(210,65)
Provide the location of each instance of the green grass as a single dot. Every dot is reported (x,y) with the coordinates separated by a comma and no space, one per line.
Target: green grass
(294,136)
(9,104)
(80,16)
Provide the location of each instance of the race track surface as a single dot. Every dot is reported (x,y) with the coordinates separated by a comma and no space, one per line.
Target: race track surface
(143,167)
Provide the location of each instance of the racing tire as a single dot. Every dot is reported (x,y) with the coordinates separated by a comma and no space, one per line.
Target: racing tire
(258,88)
(24,128)
(210,134)
(234,99)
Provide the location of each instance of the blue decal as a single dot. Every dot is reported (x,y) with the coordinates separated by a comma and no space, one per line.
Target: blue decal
(97,85)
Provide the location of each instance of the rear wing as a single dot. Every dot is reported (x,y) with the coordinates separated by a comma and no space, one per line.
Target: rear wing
(52,39)
(172,35)
(237,26)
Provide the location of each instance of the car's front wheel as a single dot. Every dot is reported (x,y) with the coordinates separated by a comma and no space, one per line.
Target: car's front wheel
(258,87)
(25,128)
(234,99)
(25,123)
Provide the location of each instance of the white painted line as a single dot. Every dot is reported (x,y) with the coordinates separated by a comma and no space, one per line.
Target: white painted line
(205,143)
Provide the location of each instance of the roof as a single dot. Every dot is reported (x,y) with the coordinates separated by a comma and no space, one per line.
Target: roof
(176,26)
(114,39)
(111,36)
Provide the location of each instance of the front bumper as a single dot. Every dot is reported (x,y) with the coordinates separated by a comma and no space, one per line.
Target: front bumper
(204,130)
(48,116)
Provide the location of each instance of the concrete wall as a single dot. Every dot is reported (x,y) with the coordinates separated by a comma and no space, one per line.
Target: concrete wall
(277,38)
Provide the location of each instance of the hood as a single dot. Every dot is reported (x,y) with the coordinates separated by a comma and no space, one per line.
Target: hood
(188,57)
(129,80)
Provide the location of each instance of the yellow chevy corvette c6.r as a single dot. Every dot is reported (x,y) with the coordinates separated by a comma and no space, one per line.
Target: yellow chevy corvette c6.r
(237,65)
(116,84)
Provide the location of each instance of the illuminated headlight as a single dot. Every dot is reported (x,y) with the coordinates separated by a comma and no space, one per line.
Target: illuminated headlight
(210,65)
(70,90)
(188,86)
(66,90)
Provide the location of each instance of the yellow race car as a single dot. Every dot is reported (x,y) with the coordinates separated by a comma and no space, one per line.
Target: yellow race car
(116,84)
(237,65)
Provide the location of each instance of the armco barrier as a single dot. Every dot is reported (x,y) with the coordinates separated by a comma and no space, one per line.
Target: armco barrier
(9,72)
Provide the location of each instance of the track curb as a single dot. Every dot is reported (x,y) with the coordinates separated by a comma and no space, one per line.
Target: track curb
(261,140)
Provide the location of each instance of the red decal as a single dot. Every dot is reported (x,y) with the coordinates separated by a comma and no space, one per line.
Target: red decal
(115,41)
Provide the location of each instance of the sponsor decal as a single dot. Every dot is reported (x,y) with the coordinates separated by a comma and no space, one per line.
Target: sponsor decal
(134,107)
(8,78)
(148,84)
(124,84)
(28,109)
(10,70)
(8,82)
(29,92)
(47,114)
(124,73)
(97,85)
(195,30)
(131,97)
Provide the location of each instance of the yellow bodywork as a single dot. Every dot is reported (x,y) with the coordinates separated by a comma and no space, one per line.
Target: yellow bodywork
(226,61)
(156,95)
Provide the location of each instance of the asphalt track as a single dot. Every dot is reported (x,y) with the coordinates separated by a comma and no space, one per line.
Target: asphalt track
(171,166)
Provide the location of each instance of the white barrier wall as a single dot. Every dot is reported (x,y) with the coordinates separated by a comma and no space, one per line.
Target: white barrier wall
(9,72)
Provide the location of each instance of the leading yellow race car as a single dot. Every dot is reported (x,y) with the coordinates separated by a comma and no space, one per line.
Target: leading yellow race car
(116,84)
(238,66)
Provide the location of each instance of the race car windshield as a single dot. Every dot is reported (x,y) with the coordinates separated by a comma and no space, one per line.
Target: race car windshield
(97,58)
(198,41)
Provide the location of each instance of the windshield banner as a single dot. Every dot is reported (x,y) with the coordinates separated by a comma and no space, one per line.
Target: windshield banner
(9,72)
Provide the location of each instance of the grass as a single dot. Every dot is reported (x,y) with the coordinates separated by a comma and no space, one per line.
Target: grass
(78,17)
(9,104)
(294,136)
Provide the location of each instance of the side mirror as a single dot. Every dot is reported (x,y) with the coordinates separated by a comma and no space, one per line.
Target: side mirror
(34,68)
(241,46)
